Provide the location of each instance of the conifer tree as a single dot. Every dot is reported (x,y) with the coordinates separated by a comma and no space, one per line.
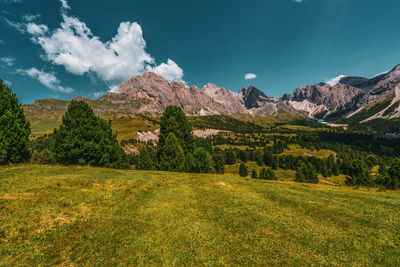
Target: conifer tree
(14,128)
(218,160)
(230,157)
(172,157)
(254,174)
(243,170)
(85,139)
(174,121)
(146,159)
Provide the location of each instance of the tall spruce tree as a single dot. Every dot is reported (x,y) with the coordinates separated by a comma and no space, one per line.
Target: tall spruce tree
(172,157)
(14,128)
(85,139)
(174,121)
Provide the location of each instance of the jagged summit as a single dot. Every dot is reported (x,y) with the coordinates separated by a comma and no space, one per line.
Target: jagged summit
(356,98)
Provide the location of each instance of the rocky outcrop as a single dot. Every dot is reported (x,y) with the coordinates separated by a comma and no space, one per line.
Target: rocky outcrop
(230,100)
(332,97)
(160,94)
(252,97)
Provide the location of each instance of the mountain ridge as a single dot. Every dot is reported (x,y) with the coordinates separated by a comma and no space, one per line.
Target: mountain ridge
(352,98)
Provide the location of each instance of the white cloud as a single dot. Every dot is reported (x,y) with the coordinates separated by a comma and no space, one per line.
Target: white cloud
(74,46)
(47,79)
(114,89)
(64,4)
(335,80)
(169,71)
(31,17)
(36,29)
(9,61)
(250,76)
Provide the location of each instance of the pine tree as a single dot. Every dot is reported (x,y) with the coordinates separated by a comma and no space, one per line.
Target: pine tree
(275,163)
(254,174)
(243,170)
(202,160)
(172,157)
(218,160)
(14,128)
(84,138)
(174,121)
(146,159)
(230,157)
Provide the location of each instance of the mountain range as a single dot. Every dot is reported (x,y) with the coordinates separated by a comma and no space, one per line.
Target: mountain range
(349,100)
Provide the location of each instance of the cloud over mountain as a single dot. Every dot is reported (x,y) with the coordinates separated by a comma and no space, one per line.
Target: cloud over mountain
(74,46)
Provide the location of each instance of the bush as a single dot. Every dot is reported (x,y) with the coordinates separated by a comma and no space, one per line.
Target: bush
(42,157)
(306,173)
(14,128)
(254,174)
(359,174)
(267,174)
(243,170)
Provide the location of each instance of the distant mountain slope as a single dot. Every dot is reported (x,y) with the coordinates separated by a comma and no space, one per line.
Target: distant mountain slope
(351,100)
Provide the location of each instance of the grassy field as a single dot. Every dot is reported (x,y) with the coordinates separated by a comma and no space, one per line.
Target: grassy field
(51,215)
(296,151)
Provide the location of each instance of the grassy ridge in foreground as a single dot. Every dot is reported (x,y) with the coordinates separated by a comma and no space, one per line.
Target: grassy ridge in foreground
(92,216)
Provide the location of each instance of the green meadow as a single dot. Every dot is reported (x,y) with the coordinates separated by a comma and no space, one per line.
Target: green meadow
(72,216)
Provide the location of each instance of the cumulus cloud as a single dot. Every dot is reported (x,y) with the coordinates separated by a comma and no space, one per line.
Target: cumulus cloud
(169,71)
(250,76)
(335,80)
(9,61)
(47,79)
(74,46)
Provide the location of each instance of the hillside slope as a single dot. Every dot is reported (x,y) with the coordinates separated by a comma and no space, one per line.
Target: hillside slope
(90,216)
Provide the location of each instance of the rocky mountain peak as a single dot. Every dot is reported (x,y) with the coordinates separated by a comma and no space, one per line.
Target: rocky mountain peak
(229,99)
(252,97)
(332,97)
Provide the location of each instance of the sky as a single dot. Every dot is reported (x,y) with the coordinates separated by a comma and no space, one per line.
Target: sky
(68,48)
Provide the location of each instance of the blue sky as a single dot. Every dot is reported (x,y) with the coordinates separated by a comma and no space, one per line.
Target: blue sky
(72,48)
